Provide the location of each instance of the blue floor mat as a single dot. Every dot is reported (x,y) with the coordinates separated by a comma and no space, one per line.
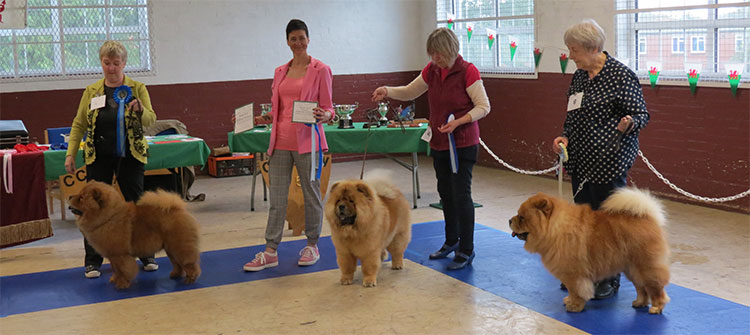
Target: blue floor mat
(502,267)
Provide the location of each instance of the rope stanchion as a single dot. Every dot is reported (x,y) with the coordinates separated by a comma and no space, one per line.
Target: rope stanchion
(645,160)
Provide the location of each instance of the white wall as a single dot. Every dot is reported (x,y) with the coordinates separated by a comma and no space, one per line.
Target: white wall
(224,40)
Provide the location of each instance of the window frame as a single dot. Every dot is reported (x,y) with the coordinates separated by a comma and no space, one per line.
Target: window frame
(679,43)
(496,71)
(59,39)
(695,41)
(713,26)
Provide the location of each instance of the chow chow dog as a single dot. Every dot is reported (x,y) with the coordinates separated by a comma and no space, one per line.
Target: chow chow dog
(581,246)
(121,230)
(367,218)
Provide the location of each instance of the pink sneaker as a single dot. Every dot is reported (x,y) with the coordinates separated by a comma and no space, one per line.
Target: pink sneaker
(308,255)
(261,261)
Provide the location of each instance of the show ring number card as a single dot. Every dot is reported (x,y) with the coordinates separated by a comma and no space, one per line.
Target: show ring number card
(243,118)
(302,112)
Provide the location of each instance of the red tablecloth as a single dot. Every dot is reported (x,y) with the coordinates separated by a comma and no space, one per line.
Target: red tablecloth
(23,211)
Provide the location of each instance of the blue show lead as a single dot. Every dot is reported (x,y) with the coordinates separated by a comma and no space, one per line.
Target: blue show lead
(123,94)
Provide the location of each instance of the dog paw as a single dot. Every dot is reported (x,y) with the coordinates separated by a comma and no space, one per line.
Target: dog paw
(397,267)
(655,310)
(190,279)
(368,283)
(122,284)
(345,281)
(175,274)
(573,306)
(637,303)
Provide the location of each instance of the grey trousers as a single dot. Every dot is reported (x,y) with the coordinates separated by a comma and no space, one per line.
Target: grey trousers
(280,175)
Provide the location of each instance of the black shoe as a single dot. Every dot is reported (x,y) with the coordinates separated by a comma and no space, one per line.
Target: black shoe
(444,251)
(149,264)
(461,260)
(607,288)
(92,271)
(562,287)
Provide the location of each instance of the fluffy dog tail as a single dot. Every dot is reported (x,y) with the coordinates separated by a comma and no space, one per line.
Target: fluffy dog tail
(162,199)
(380,180)
(635,202)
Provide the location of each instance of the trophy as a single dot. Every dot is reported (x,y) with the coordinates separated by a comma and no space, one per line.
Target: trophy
(343,115)
(383,110)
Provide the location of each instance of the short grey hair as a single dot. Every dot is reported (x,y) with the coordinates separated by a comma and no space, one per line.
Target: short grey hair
(587,34)
(113,49)
(443,42)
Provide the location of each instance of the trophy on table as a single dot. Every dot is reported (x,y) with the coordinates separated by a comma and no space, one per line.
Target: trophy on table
(265,110)
(383,110)
(343,115)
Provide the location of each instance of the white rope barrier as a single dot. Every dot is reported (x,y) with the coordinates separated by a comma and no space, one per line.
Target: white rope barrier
(645,160)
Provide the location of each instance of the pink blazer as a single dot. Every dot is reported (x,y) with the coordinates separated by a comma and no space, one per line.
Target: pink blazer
(316,86)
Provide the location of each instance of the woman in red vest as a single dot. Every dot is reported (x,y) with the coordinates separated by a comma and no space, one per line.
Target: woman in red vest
(457,101)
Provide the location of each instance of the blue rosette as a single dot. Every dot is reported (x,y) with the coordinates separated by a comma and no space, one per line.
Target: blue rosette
(123,94)
(452,148)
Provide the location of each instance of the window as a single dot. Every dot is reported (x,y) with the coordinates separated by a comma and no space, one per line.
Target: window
(710,32)
(697,44)
(678,45)
(642,42)
(738,43)
(62,39)
(512,20)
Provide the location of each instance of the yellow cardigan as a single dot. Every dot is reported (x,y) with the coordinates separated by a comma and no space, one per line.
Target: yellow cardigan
(85,121)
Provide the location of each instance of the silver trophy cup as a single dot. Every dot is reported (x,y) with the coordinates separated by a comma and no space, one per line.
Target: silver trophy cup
(344,115)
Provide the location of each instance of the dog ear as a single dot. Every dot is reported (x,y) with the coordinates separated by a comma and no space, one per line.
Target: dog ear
(97,195)
(334,186)
(364,189)
(544,205)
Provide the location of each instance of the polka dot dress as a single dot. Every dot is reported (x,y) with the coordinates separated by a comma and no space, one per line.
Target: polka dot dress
(592,129)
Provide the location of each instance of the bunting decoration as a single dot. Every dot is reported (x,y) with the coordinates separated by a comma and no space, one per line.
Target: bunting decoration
(513,47)
(537,57)
(563,62)
(734,72)
(451,17)
(693,71)
(654,69)
(469,30)
(491,36)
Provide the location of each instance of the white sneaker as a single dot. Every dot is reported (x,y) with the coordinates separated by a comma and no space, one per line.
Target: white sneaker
(150,265)
(92,272)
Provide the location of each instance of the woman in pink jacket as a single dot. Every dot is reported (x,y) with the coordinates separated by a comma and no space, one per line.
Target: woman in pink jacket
(307,79)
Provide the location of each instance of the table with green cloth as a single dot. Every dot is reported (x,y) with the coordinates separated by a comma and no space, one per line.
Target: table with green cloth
(380,140)
(165,152)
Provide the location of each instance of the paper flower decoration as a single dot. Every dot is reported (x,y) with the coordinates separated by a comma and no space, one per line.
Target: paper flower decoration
(513,48)
(563,62)
(491,36)
(451,17)
(654,69)
(537,57)
(469,30)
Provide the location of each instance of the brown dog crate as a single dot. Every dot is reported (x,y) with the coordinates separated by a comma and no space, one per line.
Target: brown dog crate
(240,165)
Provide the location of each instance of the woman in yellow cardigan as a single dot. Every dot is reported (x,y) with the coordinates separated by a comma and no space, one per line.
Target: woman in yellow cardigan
(112,113)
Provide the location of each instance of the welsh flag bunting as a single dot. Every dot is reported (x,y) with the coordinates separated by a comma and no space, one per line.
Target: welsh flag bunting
(563,62)
(537,57)
(469,30)
(491,36)
(693,71)
(654,68)
(513,46)
(451,17)
(734,71)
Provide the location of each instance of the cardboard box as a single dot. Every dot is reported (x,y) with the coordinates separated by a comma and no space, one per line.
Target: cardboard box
(239,165)
(221,151)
